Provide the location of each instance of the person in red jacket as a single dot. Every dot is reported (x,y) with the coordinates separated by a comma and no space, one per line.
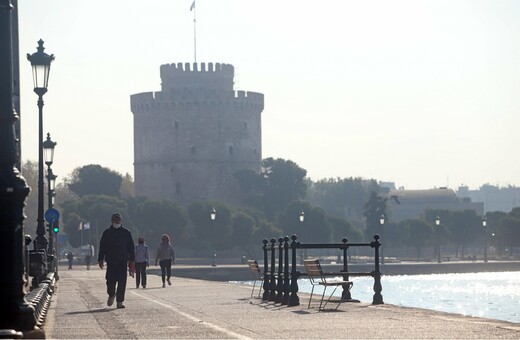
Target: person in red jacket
(116,247)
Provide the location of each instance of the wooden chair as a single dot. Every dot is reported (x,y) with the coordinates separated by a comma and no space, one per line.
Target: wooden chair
(317,278)
(257,276)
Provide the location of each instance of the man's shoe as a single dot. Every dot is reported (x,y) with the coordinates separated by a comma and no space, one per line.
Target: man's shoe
(120,305)
(169,282)
(163,285)
(144,286)
(136,286)
(110,300)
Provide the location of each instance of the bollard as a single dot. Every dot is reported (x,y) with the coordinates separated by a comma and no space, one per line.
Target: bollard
(286,285)
(345,295)
(294,300)
(265,296)
(279,284)
(272,284)
(378,298)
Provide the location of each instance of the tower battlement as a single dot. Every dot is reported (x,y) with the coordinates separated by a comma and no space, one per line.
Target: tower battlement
(214,76)
(146,101)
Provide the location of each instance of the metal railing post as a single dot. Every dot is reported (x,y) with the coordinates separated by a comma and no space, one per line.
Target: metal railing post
(265,296)
(378,298)
(294,300)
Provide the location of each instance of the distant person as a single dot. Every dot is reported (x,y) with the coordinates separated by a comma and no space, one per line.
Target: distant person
(166,256)
(141,262)
(70,257)
(88,259)
(116,247)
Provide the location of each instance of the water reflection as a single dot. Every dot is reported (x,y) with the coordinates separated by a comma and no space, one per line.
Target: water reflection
(488,295)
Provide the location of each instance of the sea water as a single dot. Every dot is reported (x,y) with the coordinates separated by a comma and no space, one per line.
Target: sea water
(488,295)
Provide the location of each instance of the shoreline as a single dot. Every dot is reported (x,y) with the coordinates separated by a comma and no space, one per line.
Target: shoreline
(240,272)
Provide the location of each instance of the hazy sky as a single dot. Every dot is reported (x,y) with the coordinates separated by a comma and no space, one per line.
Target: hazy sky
(421,93)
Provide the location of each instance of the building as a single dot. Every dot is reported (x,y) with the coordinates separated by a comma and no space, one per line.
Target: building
(192,136)
(413,203)
(493,197)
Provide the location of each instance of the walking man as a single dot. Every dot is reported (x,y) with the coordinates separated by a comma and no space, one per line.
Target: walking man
(116,247)
(141,262)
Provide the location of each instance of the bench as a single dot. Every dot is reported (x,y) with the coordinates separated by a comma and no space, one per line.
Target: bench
(318,278)
(257,276)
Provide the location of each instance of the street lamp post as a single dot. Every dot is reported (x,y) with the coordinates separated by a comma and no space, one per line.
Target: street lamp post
(48,155)
(41,64)
(437,230)
(382,223)
(484,223)
(213,216)
(16,314)
(303,254)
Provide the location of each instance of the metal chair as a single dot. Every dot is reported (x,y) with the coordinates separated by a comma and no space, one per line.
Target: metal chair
(317,278)
(257,276)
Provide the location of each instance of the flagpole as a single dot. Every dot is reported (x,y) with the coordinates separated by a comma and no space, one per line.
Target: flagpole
(194,30)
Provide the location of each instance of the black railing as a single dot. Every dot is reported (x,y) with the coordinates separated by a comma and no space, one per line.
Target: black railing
(281,286)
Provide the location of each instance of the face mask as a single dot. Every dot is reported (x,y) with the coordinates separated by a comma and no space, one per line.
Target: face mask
(116,225)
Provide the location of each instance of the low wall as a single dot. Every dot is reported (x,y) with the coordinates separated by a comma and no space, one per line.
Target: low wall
(241,272)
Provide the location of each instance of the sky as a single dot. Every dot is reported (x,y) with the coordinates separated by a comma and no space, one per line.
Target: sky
(420,93)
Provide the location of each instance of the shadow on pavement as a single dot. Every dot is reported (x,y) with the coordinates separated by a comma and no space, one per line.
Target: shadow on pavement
(106,309)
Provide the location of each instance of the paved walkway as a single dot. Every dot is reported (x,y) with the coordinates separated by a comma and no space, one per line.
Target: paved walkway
(213,310)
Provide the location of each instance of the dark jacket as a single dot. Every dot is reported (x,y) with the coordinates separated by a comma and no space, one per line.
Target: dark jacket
(116,245)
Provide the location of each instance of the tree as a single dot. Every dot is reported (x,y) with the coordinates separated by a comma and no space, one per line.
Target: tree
(94,179)
(95,209)
(342,197)
(417,234)
(127,187)
(157,217)
(211,233)
(342,228)
(280,182)
(314,229)
(465,228)
(373,209)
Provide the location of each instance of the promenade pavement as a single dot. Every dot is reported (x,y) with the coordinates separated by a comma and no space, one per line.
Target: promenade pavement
(201,309)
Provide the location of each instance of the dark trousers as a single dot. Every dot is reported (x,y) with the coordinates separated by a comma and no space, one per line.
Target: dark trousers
(140,273)
(166,269)
(116,273)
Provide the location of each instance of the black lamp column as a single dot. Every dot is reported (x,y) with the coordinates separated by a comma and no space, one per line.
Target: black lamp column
(41,64)
(15,314)
(213,216)
(437,231)
(48,152)
(484,223)
(303,254)
(382,223)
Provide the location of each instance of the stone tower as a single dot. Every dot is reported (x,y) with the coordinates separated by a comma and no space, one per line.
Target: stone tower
(193,135)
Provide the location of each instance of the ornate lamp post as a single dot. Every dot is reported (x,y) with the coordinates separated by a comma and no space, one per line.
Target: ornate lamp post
(382,223)
(303,254)
(48,155)
(41,65)
(484,223)
(438,223)
(213,216)
(15,314)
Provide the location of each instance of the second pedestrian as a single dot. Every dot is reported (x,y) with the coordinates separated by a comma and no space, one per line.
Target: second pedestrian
(141,262)
(166,256)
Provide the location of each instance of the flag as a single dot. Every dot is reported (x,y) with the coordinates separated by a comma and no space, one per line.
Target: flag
(192,6)
(80,225)
(86,226)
